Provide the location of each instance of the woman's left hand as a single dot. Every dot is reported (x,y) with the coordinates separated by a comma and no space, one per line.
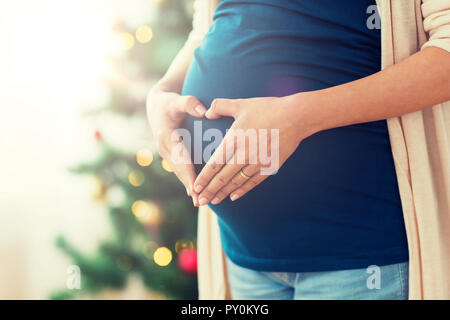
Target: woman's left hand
(270,122)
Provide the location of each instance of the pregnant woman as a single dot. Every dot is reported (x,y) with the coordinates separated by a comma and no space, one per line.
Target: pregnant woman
(332,212)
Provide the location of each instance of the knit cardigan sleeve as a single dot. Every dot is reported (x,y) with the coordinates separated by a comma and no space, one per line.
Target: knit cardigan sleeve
(436,23)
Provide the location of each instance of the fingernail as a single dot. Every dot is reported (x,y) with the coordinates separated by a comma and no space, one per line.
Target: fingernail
(200,110)
(234,196)
(187,192)
(193,201)
(202,201)
(215,200)
(198,188)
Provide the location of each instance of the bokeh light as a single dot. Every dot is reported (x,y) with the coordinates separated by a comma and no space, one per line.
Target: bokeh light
(160,2)
(162,256)
(166,166)
(144,157)
(136,178)
(127,39)
(144,34)
(147,212)
(183,244)
(96,188)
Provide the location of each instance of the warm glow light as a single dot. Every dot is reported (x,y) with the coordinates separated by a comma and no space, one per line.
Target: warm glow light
(64,50)
(144,157)
(147,212)
(136,178)
(96,187)
(160,2)
(128,40)
(162,256)
(144,34)
(183,244)
(166,166)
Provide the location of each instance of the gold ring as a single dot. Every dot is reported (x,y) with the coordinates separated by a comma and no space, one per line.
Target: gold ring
(244,175)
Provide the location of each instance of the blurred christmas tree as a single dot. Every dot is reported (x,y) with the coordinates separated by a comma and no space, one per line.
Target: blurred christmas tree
(153,220)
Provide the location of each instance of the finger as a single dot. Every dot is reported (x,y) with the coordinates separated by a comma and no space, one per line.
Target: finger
(192,106)
(236,182)
(179,160)
(247,186)
(218,159)
(186,174)
(223,107)
(220,180)
(227,172)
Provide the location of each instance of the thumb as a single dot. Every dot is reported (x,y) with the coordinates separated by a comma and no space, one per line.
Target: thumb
(222,107)
(192,105)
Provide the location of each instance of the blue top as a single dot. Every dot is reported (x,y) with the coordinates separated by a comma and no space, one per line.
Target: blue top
(335,203)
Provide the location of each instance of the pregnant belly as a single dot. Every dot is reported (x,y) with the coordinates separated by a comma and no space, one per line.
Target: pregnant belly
(335,178)
(335,161)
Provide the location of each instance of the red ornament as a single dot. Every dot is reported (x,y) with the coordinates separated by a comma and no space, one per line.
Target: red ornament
(187,260)
(97,135)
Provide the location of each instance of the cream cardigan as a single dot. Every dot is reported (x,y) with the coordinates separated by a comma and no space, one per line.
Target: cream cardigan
(420,145)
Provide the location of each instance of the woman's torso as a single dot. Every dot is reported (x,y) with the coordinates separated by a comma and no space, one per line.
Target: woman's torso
(335,202)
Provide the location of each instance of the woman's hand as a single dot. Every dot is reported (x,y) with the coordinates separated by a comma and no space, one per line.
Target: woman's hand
(166,112)
(272,118)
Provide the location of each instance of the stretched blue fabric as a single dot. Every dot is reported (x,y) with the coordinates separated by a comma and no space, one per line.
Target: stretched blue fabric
(335,203)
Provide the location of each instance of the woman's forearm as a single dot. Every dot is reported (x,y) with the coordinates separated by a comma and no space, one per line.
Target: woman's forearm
(418,82)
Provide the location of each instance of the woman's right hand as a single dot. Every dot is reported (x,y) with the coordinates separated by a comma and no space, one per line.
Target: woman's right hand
(166,112)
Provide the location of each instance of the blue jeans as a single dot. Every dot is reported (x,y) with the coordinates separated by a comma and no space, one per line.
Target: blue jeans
(373,283)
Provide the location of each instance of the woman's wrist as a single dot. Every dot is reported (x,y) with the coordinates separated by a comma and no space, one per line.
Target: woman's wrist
(158,94)
(161,87)
(303,108)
